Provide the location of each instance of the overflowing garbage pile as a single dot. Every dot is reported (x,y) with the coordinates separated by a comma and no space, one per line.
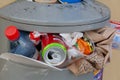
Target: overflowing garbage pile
(80,52)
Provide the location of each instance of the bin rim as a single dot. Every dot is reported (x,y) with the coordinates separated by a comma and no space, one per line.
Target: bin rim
(59,15)
(21,60)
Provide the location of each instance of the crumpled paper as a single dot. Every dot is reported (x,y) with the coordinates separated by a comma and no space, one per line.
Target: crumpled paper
(102,38)
(81,66)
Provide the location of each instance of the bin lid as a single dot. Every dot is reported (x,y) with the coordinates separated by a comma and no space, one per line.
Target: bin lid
(56,16)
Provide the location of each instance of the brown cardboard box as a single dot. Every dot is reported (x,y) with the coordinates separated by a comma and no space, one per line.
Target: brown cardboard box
(112,70)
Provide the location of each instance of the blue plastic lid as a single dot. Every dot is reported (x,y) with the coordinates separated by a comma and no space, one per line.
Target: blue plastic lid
(70,1)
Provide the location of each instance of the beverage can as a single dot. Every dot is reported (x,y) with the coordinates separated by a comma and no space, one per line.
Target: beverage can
(54,50)
(98,74)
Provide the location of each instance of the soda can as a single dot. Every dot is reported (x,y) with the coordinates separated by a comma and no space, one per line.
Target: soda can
(54,50)
(98,74)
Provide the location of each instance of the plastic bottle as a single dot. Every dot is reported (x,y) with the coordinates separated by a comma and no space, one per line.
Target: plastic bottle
(20,43)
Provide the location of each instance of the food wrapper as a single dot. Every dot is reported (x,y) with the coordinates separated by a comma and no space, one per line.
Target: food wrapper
(102,39)
(103,43)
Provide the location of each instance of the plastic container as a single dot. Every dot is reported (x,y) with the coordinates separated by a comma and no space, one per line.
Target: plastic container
(48,18)
(14,67)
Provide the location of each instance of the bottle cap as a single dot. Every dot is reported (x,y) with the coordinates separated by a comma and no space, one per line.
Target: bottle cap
(12,33)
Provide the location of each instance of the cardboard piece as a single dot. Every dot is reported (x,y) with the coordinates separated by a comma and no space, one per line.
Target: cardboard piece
(102,38)
(94,36)
(81,66)
(96,60)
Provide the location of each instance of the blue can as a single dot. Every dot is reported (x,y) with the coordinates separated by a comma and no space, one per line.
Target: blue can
(70,1)
(98,75)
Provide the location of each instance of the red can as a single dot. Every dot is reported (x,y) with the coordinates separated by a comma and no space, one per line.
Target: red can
(54,50)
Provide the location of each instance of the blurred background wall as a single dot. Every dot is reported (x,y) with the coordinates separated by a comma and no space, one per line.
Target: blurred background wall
(114,5)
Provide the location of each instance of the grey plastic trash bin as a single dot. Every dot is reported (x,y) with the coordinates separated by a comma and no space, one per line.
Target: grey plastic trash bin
(50,18)
(12,68)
